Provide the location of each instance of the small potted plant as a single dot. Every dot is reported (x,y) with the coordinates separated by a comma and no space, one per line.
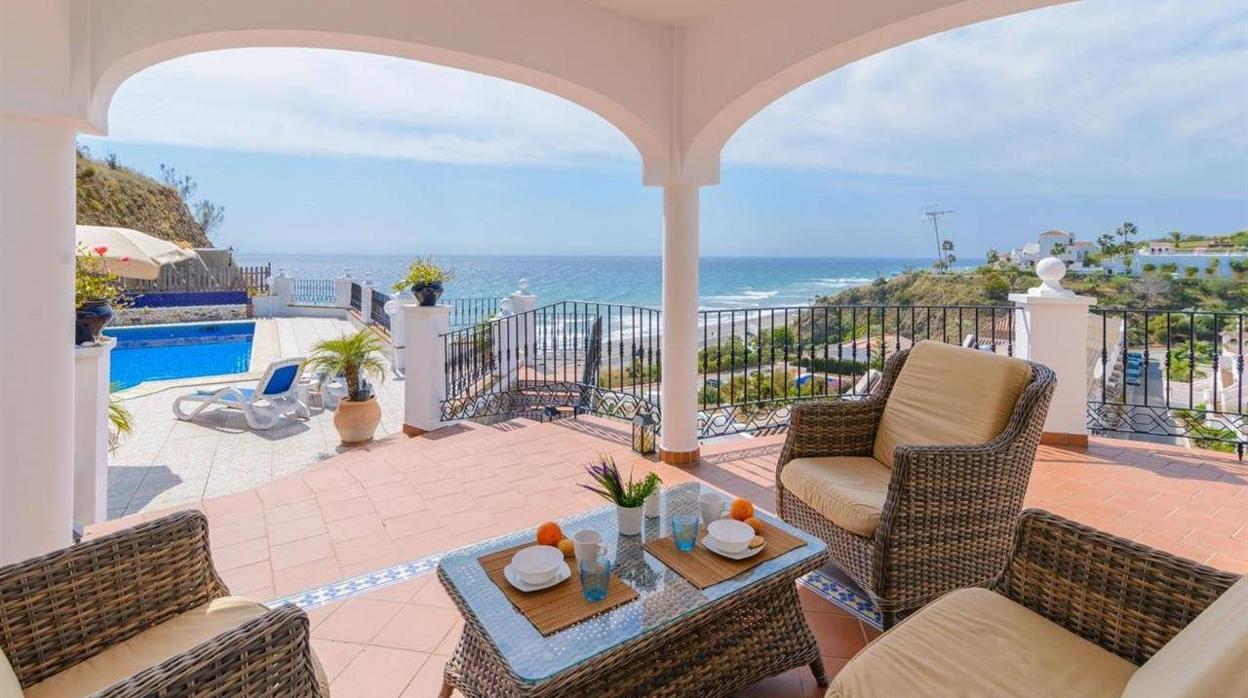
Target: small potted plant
(628,497)
(425,279)
(354,357)
(97,291)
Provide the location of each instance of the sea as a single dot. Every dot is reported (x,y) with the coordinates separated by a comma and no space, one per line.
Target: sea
(724,282)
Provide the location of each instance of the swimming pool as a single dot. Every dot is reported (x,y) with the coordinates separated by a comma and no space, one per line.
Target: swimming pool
(162,352)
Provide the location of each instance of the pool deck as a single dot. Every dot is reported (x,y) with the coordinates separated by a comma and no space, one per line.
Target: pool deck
(167,462)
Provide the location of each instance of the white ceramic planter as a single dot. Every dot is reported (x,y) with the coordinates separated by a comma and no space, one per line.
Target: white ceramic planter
(652,504)
(629,520)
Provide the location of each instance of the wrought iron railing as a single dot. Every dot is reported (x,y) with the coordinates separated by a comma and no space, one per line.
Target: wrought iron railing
(357,296)
(466,312)
(597,358)
(313,291)
(377,311)
(1170,373)
(755,363)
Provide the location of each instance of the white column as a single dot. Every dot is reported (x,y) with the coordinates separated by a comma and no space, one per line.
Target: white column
(282,289)
(398,335)
(506,341)
(36,337)
(91,389)
(342,289)
(366,298)
(523,303)
(680,324)
(1051,328)
(424,385)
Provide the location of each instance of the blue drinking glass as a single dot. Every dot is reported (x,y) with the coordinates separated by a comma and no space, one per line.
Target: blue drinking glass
(685,531)
(595,576)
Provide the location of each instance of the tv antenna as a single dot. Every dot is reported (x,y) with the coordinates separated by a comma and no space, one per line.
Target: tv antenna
(933,213)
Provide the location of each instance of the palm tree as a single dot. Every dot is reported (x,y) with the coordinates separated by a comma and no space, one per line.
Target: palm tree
(120,422)
(354,356)
(1176,237)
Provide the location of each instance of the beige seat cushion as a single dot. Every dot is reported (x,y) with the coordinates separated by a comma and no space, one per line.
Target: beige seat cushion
(849,491)
(947,395)
(151,647)
(974,642)
(9,687)
(1207,659)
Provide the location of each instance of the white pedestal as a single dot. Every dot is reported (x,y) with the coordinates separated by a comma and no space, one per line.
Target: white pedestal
(91,390)
(425,360)
(366,301)
(1053,330)
(342,290)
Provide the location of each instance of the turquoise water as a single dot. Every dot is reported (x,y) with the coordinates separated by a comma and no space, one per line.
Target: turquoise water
(162,352)
(725,282)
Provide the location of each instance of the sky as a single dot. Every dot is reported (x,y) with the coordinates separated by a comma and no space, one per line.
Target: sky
(1075,117)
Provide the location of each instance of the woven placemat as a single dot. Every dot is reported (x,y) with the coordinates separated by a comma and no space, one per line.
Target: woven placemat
(703,568)
(551,610)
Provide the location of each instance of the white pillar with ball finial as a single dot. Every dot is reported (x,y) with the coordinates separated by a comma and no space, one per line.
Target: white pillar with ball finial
(1051,328)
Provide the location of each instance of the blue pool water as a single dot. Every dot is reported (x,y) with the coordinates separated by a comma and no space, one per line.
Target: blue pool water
(161,352)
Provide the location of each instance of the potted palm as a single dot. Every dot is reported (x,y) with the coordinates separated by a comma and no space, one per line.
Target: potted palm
(628,497)
(97,291)
(354,357)
(425,279)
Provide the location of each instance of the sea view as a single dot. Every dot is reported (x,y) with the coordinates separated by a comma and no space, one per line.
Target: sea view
(726,282)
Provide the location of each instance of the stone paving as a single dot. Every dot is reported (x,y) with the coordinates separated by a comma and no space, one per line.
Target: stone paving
(167,462)
(402,499)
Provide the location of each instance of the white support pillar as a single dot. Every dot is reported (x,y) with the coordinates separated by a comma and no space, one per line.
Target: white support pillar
(506,342)
(424,386)
(342,289)
(680,325)
(366,298)
(37,336)
(398,335)
(1052,329)
(282,290)
(523,304)
(91,392)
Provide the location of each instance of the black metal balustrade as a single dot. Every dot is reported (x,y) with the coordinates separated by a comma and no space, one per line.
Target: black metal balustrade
(755,363)
(466,312)
(357,296)
(1170,373)
(596,358)
(378,309)
(313,291)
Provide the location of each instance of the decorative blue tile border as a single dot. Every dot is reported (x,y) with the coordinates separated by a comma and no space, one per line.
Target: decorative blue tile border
(339,591)
(843,595)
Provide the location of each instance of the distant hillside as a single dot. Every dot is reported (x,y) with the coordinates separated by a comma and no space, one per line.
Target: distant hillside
(117,196)
(991,286)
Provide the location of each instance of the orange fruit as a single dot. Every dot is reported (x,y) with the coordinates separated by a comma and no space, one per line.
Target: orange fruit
(549,534)
(755,524)
(741,509)
(567,548)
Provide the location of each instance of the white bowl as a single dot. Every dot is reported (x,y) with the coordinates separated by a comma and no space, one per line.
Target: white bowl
(730,535)
(537,564)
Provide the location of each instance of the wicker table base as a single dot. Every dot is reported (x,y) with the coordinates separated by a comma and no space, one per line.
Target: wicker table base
(715,651)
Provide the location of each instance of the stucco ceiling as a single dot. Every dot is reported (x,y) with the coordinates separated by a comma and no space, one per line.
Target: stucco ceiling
(669,12)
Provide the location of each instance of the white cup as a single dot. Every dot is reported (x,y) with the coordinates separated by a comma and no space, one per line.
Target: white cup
(587,545)
(711,506)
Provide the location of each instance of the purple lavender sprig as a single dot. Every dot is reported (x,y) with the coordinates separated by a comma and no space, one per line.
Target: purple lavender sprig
(613,488)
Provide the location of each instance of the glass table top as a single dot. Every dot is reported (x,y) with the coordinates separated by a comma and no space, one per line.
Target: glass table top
(664,596)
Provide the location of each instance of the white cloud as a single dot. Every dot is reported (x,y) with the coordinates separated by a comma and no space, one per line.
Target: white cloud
(1099,93)
(331,102)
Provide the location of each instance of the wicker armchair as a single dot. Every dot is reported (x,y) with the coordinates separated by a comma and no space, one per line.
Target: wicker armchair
(1125,598)
(63,608)
(949,514)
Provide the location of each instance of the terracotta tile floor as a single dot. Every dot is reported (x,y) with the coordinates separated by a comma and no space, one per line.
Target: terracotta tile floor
(403,499)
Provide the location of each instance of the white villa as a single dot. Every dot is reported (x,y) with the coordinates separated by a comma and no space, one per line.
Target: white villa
(1161,256)
(1069,250)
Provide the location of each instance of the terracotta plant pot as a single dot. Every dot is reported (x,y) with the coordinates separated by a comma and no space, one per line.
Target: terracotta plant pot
(356,422)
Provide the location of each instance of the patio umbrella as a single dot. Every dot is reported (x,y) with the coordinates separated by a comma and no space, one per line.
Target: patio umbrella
(130,253)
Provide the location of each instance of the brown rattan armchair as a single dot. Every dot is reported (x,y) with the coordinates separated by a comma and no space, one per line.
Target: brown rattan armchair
(1137,607)
(63,608)
(949,512)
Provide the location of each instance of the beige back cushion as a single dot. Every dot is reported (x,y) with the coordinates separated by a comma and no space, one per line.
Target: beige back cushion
(1207,659)
(9,687)
(949,395)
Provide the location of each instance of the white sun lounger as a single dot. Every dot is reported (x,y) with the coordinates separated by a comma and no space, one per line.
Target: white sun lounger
(275,396)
